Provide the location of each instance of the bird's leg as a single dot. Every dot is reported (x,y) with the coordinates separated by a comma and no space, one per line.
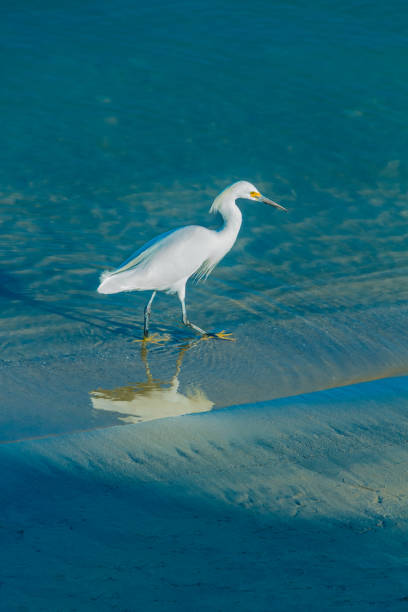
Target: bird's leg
(184,316)
(147,311)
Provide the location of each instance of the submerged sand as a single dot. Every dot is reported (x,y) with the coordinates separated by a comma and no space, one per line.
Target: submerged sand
(292,504)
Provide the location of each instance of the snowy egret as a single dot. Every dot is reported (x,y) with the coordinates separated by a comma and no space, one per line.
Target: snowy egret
(167,262)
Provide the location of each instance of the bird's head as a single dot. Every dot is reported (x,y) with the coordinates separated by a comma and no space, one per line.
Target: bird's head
(247,191)
(243,190)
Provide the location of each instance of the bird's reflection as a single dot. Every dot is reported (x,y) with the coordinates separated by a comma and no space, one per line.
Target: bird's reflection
(153,398)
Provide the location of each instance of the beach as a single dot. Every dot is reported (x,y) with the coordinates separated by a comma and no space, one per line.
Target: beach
(259,506)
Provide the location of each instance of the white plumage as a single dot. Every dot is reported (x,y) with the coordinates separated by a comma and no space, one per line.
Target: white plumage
(167,262)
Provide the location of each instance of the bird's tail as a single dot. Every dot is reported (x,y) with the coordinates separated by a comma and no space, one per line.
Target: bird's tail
(129,280)
(104,282)
(109,283)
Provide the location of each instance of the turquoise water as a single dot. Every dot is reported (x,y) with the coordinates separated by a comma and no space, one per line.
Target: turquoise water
(123,121)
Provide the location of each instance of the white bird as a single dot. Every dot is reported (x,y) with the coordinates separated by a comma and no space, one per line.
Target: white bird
(167,262)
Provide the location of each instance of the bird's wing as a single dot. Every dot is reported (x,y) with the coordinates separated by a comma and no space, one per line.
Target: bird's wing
(163,262)
(144,254)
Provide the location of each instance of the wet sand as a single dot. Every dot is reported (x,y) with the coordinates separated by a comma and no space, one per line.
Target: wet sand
(296,503)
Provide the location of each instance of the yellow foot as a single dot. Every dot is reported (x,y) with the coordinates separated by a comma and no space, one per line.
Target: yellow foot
(222,335)
(154,339)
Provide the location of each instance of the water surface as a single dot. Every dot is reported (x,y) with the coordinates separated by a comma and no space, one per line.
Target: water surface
(121,122)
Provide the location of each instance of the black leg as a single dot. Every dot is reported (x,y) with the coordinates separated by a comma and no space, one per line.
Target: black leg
(147,311)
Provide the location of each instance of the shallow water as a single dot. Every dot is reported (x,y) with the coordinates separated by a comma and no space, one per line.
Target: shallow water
(122,122)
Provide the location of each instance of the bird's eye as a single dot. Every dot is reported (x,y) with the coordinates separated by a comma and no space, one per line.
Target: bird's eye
(255,194)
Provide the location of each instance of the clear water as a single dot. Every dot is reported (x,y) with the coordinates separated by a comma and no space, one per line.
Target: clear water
(121,121)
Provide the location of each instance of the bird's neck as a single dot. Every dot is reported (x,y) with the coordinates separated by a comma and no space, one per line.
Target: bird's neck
(231,216)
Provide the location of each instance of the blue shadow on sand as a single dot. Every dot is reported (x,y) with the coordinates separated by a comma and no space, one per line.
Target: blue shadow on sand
(290,504)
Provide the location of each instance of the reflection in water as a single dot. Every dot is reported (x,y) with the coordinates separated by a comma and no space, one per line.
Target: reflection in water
(152,399)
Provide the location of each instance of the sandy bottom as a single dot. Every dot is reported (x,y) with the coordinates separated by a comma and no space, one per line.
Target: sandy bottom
(293,504)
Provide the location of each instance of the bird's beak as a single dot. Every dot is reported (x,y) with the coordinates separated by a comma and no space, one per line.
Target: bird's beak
(272,203)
